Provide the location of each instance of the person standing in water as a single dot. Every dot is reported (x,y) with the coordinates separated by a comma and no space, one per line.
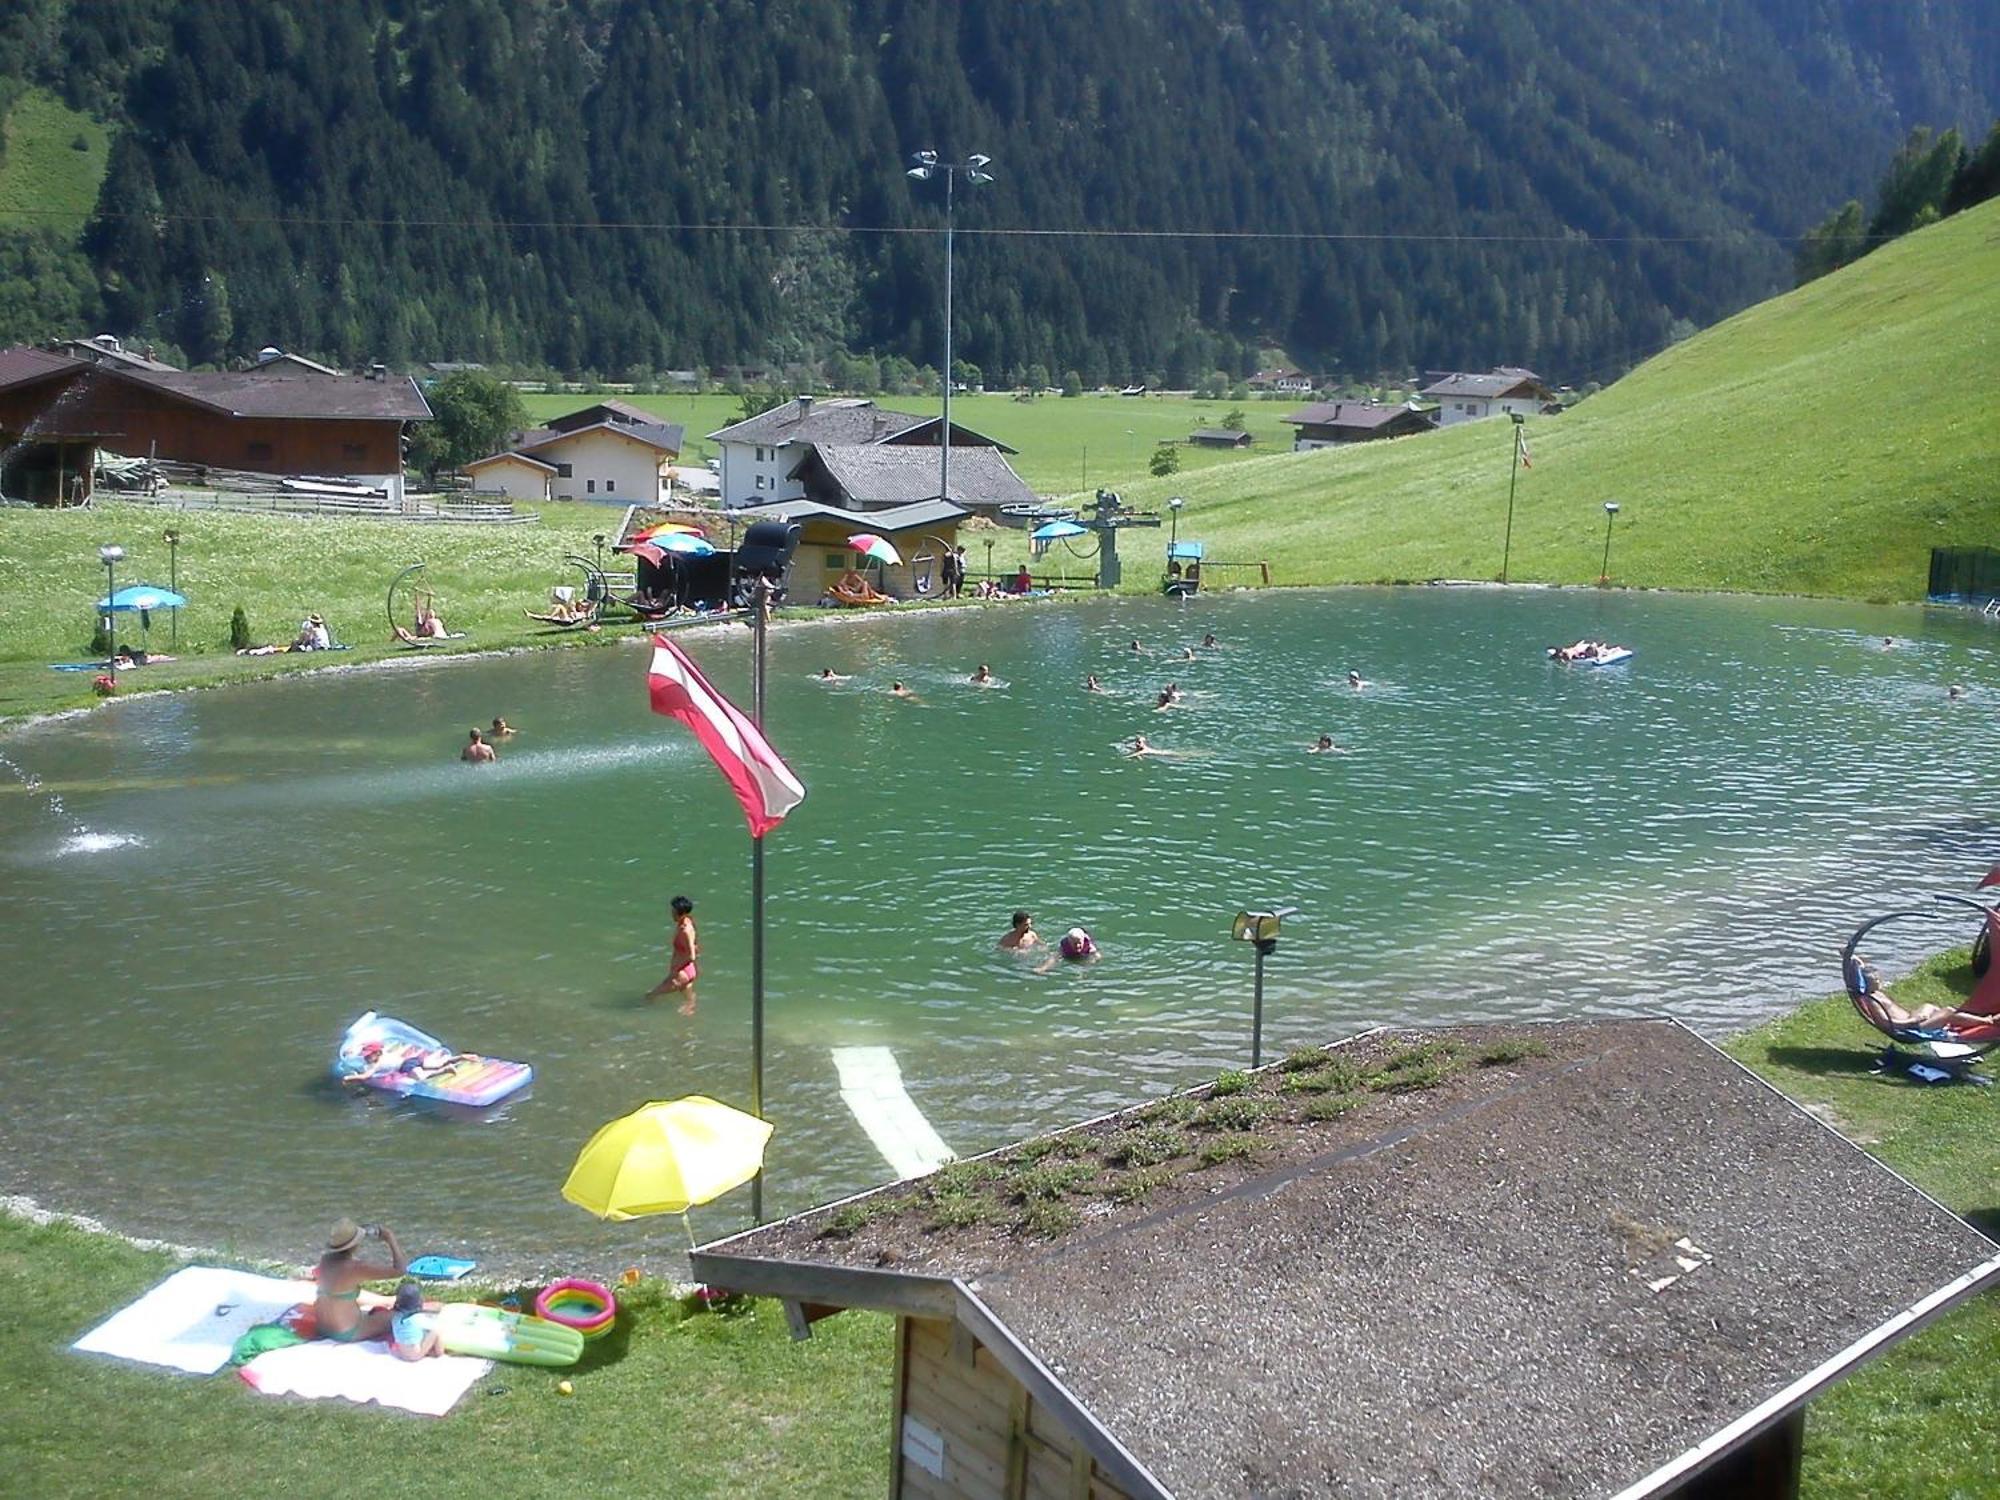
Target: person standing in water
(1022,935)
(683,968)
(477,751)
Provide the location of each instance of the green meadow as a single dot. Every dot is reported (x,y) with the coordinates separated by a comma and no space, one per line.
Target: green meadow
(44,178)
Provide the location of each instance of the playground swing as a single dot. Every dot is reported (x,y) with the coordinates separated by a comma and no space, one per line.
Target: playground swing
(574,607)
(426,621)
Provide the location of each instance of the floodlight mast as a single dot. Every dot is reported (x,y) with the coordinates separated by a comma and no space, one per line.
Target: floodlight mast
(926,167)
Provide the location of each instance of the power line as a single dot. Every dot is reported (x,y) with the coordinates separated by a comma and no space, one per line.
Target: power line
(667,226)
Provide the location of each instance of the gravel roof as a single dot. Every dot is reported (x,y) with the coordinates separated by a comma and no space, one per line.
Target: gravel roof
(1546,1278)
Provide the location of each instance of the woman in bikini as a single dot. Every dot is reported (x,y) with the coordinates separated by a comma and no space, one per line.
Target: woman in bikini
(682,969)
(338,1305)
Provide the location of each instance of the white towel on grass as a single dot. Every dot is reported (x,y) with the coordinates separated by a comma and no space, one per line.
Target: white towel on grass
(192,1320)
(363,1373)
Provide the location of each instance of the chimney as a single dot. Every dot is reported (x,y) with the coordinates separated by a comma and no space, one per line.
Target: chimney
(805,407)
(378,371)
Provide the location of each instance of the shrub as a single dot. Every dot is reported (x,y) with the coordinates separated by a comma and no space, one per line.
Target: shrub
(1135,1187)
(1423,1075)
(1175,1109)
(1230,1081)
(960,1177)
(851,1218)
(959,1211)
(1331,1106)
(1146,1147)
(1322,1082)
(1048,1145)
(239,630)
(1050,1181)
(1232,1114)
(1050,1218)
(1228,1148)
(1305,1059)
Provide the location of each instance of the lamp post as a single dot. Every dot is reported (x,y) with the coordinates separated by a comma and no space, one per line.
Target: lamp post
(173,540)
(928,166)
(1610,510)
(760,605)
(1260,929)
(111,555)
(1174,535)
(1507,546)
(599,539)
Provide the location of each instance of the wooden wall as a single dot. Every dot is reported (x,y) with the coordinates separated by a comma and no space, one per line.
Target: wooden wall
(993,1441)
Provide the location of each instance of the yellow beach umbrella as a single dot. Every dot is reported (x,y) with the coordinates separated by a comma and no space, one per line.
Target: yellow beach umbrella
(665,1156)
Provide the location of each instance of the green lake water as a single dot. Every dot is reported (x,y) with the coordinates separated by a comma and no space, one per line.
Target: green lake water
(202,890)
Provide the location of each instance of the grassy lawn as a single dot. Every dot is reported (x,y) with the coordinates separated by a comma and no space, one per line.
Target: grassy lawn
(695,1406)
(1917,1423)
(42,170)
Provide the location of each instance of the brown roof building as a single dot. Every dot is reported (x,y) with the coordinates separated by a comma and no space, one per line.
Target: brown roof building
(1583,1259)
(55,412)
(875,476)
(1327,423)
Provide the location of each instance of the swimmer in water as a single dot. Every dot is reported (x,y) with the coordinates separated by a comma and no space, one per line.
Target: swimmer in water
(501,729)
(827,674)
(1092,685)
(1165,701)
(897,690)
(984,676)
(1210,641)
(1136,648)
(1074,947)
(477,751)
(1021,935)
(1187,653)
(1139,747)
(1354,681)
(1955,692)
(1324,745)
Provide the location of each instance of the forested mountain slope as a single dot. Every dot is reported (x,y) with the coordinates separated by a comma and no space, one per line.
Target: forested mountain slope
(619,185)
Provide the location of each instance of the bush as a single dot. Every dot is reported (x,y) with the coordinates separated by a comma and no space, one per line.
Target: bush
(1229,1081)
(1136,1187)
(1146,1147)
(1050,1218)
(850,1219)
(1232,1114)
(239,630)
(958,1211)
(1228,1148)
(1331,1106)
(1050,1181)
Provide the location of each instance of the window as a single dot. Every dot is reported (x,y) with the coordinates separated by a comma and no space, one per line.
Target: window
(760,481)
(610,486)
(761,455)
(590,486)
(562,471)
(836,560)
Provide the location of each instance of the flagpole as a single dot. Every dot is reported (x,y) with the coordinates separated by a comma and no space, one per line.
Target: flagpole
(761,604)
(1507,547)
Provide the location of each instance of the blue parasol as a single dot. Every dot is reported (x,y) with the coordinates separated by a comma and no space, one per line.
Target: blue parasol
(1055,530)
(142,596)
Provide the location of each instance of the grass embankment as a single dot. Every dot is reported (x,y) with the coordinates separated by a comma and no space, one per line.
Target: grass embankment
(696,1406)
(45,178)
(722,1406)
(1917,1423)
(1819,443)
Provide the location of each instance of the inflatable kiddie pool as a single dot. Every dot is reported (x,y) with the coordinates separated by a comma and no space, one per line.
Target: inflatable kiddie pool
(586,1306)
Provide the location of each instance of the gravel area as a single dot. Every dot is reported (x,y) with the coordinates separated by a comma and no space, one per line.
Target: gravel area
(1545,1277)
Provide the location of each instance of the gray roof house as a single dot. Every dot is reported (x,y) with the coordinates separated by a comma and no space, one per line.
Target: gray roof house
(1326,423)
(1504,1261)
(874,476)
(1507,389)
(760,455)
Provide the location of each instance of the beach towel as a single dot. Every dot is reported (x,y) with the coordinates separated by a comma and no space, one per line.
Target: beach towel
(192,1320)
(363,1373)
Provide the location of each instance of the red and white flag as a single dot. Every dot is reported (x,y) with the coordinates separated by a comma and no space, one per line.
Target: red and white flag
(1521,439)
(762,782)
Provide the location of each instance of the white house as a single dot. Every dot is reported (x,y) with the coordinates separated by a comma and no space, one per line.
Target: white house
(1468,398)
(761,455)
(611,452)
(1287,382)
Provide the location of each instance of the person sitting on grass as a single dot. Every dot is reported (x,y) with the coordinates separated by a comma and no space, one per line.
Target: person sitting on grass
(337,1306)
(412,1331)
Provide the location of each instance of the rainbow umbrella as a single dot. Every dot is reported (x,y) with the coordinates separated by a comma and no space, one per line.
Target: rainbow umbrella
(646,533)
(868,544)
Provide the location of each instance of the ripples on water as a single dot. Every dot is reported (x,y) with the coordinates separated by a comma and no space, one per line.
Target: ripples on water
(1693,833)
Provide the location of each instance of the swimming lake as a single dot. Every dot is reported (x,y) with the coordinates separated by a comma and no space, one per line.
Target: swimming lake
(202,890)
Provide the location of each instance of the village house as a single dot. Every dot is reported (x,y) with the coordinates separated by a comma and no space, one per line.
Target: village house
(610,452)
(1284,382)
(1581,1258)
(1326,424)
(1506,390)
(56,412)
(274,359)
(1219,437)
(761,455)
(106,349)
(866,477)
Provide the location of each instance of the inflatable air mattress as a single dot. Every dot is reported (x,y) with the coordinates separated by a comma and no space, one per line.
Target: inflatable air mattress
(492,1333)
(384,1053)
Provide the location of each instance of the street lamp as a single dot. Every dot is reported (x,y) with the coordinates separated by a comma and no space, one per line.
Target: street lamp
(1610,510)
(111,555)
(173,540)
(1507,546)
(1259,928)
(1174,535)
(928,166)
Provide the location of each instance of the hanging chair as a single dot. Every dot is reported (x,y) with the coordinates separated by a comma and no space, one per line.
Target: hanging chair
(1953,1041)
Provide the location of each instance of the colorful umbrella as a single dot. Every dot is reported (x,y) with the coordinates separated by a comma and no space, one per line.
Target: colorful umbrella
(142,596)
(656,548)
(878,547)
(646,533)
(1056,530)
(665,1156)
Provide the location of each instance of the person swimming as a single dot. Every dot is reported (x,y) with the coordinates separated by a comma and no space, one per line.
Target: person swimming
(827,674)
(1074,947)
(1209,641)
(477,751)
(984,676)
(1354,681)
(1136,648)
(1091,684)
(1021,935)
(1955,692)
(897,690)
(501,729)
(1322,746)
(1187,653)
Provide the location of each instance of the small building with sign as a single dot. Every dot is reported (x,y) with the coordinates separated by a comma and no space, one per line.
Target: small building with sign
(1513,1261)
(921,531)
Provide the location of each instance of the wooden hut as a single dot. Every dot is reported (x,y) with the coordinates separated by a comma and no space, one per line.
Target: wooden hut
(919,531)
(1502,1261)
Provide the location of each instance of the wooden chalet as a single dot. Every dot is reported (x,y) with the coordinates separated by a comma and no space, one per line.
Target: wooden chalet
(1326,424)
(881,476)
(1573,1259)
(1219,437)
(55,412)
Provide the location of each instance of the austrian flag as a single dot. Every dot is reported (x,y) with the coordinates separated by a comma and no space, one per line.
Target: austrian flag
(762,782)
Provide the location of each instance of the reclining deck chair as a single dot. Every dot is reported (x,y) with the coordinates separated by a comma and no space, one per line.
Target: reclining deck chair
(1951,1045)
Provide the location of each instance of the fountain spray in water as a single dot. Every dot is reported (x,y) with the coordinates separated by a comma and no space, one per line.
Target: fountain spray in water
(81,840)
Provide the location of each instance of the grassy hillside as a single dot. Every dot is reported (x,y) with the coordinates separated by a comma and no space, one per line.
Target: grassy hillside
(1822,442)
(44,178)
